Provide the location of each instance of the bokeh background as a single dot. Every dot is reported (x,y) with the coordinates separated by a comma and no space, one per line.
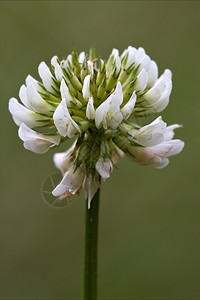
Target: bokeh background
(149,240)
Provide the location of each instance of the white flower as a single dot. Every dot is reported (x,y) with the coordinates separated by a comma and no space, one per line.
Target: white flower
(169,133)
(67,63)
(72,182)
(54,60)
(127,109)
(24,98)
(152,74)
(156,156)
(116,154)
(144,60)
(90,111)
(130,56)
(37,85)
(64,160)
(141,81)
(91,185)
(115,53)
(117,60)
(22,114)
(152,134)
(58,72)
(37,142)
(104,167)
(47,78)
(65,94)
(37,102)
(81,57)
(91,68)
(63,121)
(86,88)
(108,114)
(158,96)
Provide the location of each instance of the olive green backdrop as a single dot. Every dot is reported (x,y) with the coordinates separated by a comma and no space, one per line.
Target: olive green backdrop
(149,241)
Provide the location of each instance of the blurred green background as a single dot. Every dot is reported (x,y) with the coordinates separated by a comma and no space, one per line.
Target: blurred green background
(149,242)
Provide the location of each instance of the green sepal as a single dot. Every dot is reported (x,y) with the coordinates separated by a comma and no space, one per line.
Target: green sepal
(92,53)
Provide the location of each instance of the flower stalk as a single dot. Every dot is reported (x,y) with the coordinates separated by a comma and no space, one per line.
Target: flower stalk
(91,249)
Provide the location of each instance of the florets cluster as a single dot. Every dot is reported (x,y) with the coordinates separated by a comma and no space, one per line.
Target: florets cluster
(102,104)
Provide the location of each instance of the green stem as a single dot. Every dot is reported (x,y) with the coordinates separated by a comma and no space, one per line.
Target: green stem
(90,249)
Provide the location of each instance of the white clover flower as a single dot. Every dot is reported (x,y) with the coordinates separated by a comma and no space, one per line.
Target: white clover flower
(71,183)
(100,103)
(63,121)
(37,142)
(104,167)
(156,156)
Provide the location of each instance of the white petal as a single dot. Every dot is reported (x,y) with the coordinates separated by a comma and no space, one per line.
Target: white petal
(37,102)
(168,74)
(156,156)
(153,74)
(23,97)
(81,57)
(115,52)
(169,132)
(54,60)
(65,94)
(141,81)
(30,79)
(159,162)
(118,64)
(72,182)
(59,159)
(108,114)
(140,54)
(91,186)
(145,63)
(46,77)
(158,96)
(161,104)
(90,111)
(151,134)
(164,99)
(22,114)
(118,95)
(64,160)
(67,63)
(104,167)
(69,60)
(127,109)
(153,95)
(37,142)
(86,88)
(116,155)
(117,60)
(132,57)
(63,121)
(58,72)
(176,147)
(156,91)
(91,68)
(101,112)
(164,80)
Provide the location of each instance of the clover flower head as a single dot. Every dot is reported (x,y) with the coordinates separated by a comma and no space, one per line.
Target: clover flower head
(101,103)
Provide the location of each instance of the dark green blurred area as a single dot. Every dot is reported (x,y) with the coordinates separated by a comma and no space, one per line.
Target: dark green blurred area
(149,243)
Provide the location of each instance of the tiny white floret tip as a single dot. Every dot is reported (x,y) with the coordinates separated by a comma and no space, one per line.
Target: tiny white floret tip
(101,104)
